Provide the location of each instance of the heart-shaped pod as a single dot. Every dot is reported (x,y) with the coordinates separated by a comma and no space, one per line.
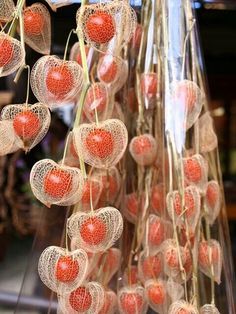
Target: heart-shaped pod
(37,28)
(12,54)
(149,266)
(158,199)
(130,276)
(101,145)
(210,259)
(9,142)
(133,206)
(143,149)
(196,171)
(30,123)
(156,295)
(106,26)
(182,307)
(96,231)
(109,304)
(75,54)
(212,201)
(7,8)
(55,81)
(187,100)
(131,299)
(62,271)
(174,289)
(56,184)
(184,208)
(88,298)
(209,309)
(207,136)
(91,193)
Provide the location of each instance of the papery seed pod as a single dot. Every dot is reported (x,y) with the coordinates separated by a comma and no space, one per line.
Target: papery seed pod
(143,149)
(133,206)
(12,55)
(210,259)
(130,276)
(131,300)
(149,85)
(212,201)
(62,271)
(187,99)
(75,54)
(182,307)
(55,184)
(9,142)
(106,26)
(174,290)
(7,7)
(149,266)
(207,136)
(101,145)
(158,199)
(110,303)
(30,123)
(156,295)
(96,231)
(91,193)
(37,28)
(54,81)
(88,298)
(187,208)
(209,309)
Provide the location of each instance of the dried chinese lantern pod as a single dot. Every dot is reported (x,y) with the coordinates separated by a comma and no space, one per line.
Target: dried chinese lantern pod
(61,270)
(75,54)
(136,38)
(30,123)
(158,199)
(212,201)
(96,231)
(130,276)
(88,298)
(186,207)
(106,26)
(187,99)
(71,158)
(209,309)
(109,264)
(111,183)
(101,145)
(7,8)
(210,259)
(149,85)
(37,28)
(109,303)
(56,184)
(131,300)
(55,81)
(182,307)
(157,230)
(174,290)
(156,295)
(133,206)
(207,136)
(12,54)
(149,266)
(195,170)
(91,193)
(143,149)
(97,102)
(8,139)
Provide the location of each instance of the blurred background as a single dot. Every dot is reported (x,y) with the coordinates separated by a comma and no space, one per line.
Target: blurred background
(20,215)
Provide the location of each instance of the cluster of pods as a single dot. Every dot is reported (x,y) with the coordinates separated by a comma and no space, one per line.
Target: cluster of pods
(159,197)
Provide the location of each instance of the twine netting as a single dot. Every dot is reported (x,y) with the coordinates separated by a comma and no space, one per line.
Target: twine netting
(106,26)
(101,145)
(56,184)
(55,81)
(158,230)
(175,290)
(7,8)
(209,309)
(131,300)
(109,304)
(30,123)
(187,100)
(210,259)
(158,199)
(184,208)
(37,28)
(212,201)
(111,183)
(207,136)
(196,171)
(149,266)
(182,307)
(97,99)
(8,139)
(143,149)
(133,206)
(96,231)
(88,299)
(156,294)
(12,54)
(62,271)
